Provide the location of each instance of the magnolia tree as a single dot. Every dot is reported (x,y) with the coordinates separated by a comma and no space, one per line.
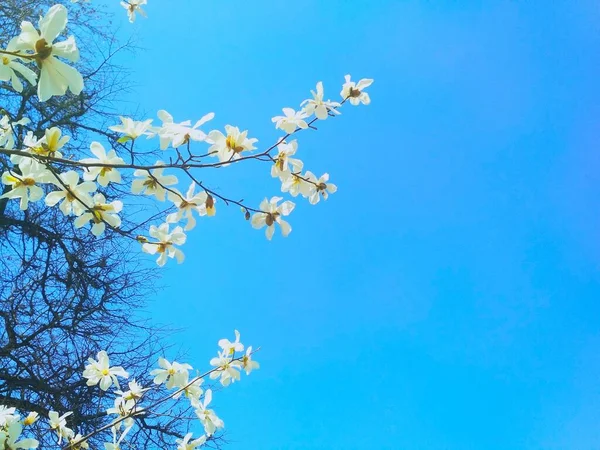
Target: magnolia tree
(157,161)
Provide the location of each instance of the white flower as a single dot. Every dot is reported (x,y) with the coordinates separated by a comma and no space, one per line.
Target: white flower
(124,408)
(101,213)
(6,415)
(49,145)
(283,162)
(132,129)
(52,142)
(228,370)
(174,374)
(133,6)
(100,372)
(135,391)
(247,363)
(152,183)
(188,203)
(229,347)
(291,120)
(24,184)
(104,175)
(115,444)
(178,134)
(72,197)
(354,92)
(55,76)
(228,147)
(59,424)
(207,416)
(295,184)
(9,438)
(9,67)
(271,214)
(167,241)
(75,444)
(318,106)
(31,418)
(7,135)
(319,187)
(185,444)
(192,390)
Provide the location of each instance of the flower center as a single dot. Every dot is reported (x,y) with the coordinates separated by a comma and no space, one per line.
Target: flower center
(280,162)
(162,247)
(105,170)
(232,144)
(43,49)
(271,217)
(105,372)
(354,93)
(150,183)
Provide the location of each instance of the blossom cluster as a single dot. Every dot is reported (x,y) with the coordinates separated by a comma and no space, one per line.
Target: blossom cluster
(81,191)
(130,404)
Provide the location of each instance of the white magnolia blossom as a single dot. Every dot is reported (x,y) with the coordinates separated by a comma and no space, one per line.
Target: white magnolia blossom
(75,443)
(7,135)
(24,185)
(101,213)
(173,374)
(48,145)
(116,443)
(207,416)
(59,424)
(248,364)
(229,147)
(354,92)
(10,67)
(99,371)
(188,203)
(291,120)
(295,184)
(272,214)
(6,414)
(132,129)
(283,163)
(9,438)
(153,182)
(186,444)
(192,390)
(124,408)
(178,134)
(227,369)
(103,174)
(166,242)
(133,6)
(319,187)
(318,106)
(55,76)
(135,391)
(31,418)
(229,347)
(75,198)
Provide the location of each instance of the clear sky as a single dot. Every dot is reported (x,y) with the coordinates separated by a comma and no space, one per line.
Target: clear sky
(447,296)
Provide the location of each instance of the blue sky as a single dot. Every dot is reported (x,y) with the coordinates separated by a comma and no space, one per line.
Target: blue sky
(447,296)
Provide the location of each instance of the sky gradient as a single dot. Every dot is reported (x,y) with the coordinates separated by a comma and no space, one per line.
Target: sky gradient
(446,297)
